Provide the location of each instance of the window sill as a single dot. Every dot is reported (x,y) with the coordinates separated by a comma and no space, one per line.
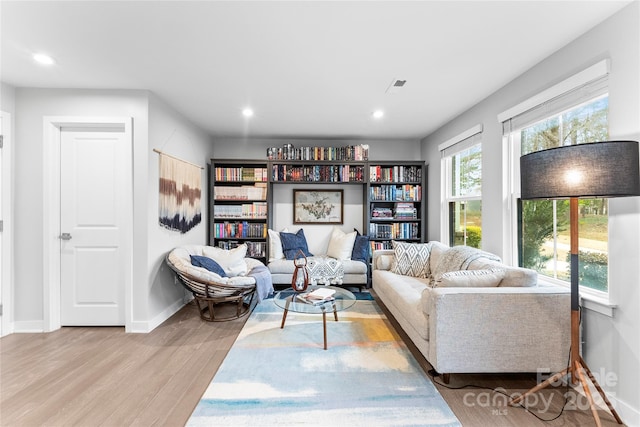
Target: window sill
(589,301)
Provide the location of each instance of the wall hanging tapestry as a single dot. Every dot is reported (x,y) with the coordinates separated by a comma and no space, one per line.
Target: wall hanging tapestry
(180,190)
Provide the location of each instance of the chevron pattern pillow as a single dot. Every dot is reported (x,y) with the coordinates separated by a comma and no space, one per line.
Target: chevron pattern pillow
(411,259)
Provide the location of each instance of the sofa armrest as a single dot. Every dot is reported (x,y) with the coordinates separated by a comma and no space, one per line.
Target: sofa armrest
(508,329)
(382,258)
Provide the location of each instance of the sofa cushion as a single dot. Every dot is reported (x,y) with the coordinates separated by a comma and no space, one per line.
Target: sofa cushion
(231,260)
(208,263)
(411,259)
(471,278)
(292,243)
(341,244)
(405,294)
(275,245)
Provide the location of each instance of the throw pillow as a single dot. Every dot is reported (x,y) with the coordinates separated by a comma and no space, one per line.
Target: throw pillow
(275,245)
(361,245)
(411,259)
(208,263)
(232,260)
(291,243)
(341,244)
(471,278)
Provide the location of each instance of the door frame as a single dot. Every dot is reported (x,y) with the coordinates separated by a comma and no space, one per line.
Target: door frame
(6,215)
(52,126)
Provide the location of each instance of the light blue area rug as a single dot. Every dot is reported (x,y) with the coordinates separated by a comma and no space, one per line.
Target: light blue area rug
(283,377)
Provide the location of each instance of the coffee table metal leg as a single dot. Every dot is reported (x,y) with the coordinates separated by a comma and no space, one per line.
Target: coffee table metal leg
(324,327)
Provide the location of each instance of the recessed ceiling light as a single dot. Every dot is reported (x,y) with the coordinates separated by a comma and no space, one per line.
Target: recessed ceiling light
(378,114)
(43,59)
(247,112)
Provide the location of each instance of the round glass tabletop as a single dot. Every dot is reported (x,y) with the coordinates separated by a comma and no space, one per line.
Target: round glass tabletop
(291,300)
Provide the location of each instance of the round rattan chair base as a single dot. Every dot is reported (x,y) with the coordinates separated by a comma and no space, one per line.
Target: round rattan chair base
(214,309)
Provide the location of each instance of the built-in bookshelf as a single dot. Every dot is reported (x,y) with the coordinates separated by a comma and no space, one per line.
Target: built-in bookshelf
(396,210)
(394,195)
(239,207)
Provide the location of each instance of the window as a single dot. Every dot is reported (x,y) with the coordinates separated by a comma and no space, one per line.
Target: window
(462,175)
(542,226)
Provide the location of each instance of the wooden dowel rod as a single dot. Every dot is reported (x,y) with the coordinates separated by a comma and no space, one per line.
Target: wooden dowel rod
(177,158)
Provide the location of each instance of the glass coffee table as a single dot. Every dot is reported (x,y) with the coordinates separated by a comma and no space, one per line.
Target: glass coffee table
(288,301)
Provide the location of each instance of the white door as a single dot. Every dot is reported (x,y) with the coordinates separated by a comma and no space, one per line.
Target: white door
(93,182)
(2,209)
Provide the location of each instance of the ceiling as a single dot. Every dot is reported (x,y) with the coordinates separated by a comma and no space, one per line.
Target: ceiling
(308,69)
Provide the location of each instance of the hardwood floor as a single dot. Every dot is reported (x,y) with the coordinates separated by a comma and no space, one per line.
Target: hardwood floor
(104,377)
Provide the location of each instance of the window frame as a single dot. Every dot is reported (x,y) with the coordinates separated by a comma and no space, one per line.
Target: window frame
(462,142)
(511,149)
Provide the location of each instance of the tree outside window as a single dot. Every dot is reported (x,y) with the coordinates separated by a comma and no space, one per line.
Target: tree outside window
(544,230)
(465,204)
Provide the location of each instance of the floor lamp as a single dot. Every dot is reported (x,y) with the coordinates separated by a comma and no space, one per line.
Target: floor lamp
(601,169)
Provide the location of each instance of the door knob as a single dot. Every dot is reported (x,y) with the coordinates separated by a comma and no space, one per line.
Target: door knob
(65,236)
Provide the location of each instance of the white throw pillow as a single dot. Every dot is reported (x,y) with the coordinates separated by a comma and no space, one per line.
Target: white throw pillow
(275,245)
(471,278)
(231,261)
(341,244)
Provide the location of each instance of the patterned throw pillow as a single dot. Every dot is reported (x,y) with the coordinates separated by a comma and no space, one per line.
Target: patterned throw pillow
(471,278)
(411,259)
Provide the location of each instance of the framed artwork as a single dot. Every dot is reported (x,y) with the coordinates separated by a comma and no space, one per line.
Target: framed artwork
(318,206)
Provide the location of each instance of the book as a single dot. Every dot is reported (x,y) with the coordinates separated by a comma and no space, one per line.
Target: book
(305,298)
(321,293)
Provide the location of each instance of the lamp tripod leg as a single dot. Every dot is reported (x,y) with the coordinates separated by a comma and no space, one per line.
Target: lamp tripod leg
(602,394)
(540,386)
(587,392)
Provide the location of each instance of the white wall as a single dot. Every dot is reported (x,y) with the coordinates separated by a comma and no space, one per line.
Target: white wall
(154,295)
(612,345)
(170,133)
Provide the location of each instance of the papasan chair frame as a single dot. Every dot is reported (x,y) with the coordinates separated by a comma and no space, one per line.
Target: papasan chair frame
(207,294)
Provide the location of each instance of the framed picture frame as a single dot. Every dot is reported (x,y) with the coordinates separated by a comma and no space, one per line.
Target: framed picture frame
(318,206)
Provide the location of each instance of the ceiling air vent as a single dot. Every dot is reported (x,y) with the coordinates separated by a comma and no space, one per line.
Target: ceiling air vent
(395,85)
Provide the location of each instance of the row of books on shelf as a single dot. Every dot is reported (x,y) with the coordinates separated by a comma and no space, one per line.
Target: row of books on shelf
(258,191)
(255,210)
(239,230)
(396,230)
(406,192)
(348,152)
(241,173)
(318,173)
(254,249)
(400,211)
(401,173)
(375,246)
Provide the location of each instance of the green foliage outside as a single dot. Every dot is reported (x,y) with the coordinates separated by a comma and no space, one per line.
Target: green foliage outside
(474,236)
(584,123)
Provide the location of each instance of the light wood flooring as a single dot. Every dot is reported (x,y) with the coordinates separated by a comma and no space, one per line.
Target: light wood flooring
(104,377)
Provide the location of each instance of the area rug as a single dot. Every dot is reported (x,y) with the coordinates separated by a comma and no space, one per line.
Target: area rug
(283,377)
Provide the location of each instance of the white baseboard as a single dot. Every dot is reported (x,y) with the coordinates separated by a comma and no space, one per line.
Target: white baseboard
(630,415)
(144,327)
(28,326)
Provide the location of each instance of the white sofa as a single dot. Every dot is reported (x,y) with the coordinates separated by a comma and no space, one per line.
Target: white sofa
(510,325)
(330,258)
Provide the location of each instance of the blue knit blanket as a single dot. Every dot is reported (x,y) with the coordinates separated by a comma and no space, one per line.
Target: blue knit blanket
(264,284)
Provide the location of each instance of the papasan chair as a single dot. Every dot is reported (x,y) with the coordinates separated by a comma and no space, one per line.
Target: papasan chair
(211,289)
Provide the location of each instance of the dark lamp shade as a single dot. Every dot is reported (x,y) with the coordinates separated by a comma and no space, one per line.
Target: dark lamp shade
(599,169)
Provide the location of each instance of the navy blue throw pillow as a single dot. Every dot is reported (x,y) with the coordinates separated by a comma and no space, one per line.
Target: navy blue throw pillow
(291,243)
(360,247)
(208,263)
